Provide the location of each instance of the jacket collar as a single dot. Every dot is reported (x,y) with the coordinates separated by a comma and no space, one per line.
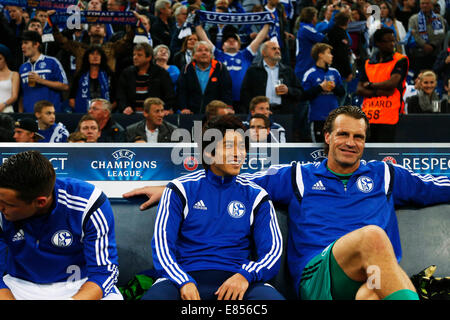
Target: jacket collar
(323,170)
(219,180)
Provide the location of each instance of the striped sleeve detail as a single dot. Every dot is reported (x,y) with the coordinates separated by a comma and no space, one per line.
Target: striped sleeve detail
(163,251)
(271,171)
(102,249)
(441,181)
(72,202)
(274,254)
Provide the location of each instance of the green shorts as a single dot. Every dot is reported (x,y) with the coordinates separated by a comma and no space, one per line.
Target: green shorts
(324,279)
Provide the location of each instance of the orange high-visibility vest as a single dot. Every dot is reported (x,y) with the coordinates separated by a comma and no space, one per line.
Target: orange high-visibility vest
(385,109)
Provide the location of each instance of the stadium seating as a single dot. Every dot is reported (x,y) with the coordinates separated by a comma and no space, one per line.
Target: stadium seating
(424,235)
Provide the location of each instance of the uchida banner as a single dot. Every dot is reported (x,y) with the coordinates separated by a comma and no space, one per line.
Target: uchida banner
(166,161)
(235,18)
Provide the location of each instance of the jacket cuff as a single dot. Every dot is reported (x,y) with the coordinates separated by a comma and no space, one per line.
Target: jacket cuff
(246,275)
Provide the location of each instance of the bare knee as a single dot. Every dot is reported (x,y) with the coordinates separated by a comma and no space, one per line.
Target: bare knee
(374,240)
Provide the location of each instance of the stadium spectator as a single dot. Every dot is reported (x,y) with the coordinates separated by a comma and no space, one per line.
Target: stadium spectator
(6,128)
(180,14)
(307,36)
(153,128)
(89,127)
(261,105)
(223,269)
(162,57)
(44,111)
(388,20)
(405,11)
(97,34)
(183,57)
(426,100)
(323,86)
(279,29)
(77,137)
(259,126)
(445,102)
(272,79)
(203,80)
(42,77)
(324,25)
(110,130)
(442,64)
(94,5)
(217,108)
(114,5)
(340,41)
(428,29)
(38,210)
(163,27)
(142,80)
(26,130)
(382,84)
(236,60)
(49,46)
(9,82)
(15,28)
(93,80)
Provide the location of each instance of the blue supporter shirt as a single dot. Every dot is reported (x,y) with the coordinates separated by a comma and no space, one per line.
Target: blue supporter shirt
(48,68)
(237,64)
(307,37)
(203,77)
(321,106)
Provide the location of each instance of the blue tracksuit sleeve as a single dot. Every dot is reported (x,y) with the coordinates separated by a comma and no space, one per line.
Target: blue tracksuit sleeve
(268,242)
(277,181)
(100,249)
(168,221)
(410,188)
(3,255)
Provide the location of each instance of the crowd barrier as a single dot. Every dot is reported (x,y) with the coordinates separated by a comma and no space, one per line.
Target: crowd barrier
(411,128)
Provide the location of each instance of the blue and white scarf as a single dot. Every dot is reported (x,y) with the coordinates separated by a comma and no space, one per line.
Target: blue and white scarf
(435,23)
(235,18)
(84,93)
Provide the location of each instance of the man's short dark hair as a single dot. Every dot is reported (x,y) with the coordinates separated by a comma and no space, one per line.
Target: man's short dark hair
(351,111)
(379,34)
(87,117)
(41,104)
(28,173)
(257,100)
(341,19)
(221,123)
(307,14)
(148,49)
(261,116)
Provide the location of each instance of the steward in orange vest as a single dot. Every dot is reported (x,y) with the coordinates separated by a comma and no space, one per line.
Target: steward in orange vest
(382,84)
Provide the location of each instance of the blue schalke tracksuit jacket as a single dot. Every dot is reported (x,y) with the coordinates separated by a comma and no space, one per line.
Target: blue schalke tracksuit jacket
(321,209)
(76,236)
(207,222)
